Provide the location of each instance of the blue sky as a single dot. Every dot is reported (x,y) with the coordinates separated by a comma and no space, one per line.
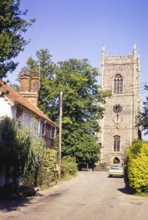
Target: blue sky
(80,28)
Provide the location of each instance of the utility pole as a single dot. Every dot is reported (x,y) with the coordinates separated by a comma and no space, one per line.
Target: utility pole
(60,134)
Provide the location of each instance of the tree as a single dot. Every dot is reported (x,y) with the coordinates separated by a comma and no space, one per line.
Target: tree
(143,119)
(81,95)
(12,25)
(81,112)
(83,147)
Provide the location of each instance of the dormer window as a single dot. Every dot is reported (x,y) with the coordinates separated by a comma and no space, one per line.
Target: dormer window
(118,84)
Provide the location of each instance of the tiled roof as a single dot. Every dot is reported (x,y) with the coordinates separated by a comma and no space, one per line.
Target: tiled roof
(18,99)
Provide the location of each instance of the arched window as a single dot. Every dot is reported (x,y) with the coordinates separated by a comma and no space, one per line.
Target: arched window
(118,84)
(116,143)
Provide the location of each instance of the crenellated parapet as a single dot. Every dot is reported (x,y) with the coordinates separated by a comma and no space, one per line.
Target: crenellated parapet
(119,60)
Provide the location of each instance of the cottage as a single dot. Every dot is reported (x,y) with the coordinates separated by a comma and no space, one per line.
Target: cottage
(24,106)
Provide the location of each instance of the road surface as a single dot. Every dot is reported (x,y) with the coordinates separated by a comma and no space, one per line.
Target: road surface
(89,196)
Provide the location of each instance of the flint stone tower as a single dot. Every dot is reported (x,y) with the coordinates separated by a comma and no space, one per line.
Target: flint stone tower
(121,75)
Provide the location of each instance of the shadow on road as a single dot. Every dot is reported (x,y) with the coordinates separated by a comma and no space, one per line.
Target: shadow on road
(127,189)
(14,205)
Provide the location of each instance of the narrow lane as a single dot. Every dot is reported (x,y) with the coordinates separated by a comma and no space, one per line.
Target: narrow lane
(90,196)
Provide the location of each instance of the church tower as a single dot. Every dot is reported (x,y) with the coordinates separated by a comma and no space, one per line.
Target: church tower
(120,75)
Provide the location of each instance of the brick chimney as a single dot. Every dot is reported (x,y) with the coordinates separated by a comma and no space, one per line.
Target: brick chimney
(25,75)
(35,82)
(30,83)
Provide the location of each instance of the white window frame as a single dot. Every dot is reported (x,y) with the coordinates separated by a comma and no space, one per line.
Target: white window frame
(43,128)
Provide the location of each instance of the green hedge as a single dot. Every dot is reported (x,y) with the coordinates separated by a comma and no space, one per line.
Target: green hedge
(138,166)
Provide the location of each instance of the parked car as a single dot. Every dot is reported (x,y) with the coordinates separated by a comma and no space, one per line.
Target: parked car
(116,170)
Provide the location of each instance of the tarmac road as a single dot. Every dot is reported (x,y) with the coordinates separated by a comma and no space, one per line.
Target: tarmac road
(89,196)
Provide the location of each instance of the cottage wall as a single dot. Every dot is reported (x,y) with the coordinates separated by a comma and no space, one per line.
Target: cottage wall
(6,109)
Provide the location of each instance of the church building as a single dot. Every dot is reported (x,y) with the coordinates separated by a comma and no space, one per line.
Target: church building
(120,75)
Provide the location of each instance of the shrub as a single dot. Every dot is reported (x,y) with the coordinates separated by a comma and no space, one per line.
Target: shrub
(68,166)
(34,160)
(21,153)
(137,166)
(14,148)
(48,172)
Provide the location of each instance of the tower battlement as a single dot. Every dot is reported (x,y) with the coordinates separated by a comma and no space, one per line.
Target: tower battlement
(121,59)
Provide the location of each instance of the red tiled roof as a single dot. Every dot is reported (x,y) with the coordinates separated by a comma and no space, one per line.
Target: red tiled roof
(18,99)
